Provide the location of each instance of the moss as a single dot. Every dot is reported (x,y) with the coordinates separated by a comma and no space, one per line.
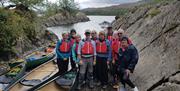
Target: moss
(153,12)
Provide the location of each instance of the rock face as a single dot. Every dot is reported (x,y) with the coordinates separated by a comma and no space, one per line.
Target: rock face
(26,46)
(60,19)
(155,31)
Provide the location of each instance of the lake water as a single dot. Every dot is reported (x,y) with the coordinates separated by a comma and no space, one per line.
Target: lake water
(82,26)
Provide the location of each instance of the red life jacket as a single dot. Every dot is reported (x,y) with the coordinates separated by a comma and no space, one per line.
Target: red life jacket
(65,46)
(101,47)
(87,48)
(116,45)
(110,38)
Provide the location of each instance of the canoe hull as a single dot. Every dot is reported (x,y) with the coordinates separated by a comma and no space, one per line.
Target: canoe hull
(34,63)
(46,69)
(16,78)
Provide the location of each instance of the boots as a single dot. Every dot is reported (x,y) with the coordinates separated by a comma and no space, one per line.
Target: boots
(80,82)
(90,78)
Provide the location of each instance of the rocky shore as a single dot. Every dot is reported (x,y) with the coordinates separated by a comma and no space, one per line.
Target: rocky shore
(60,19)
(155,31)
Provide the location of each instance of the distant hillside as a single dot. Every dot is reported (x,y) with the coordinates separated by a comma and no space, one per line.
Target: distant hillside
(121,9)
(112,10)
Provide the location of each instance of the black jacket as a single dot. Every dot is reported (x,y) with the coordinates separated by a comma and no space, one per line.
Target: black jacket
(128,59)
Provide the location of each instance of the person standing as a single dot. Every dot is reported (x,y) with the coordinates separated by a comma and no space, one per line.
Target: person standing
(127,60)
(103,50)
(109,33)
(72,39)
(63,51)
(116,45)
(75,49)
(87,57)
(94,37)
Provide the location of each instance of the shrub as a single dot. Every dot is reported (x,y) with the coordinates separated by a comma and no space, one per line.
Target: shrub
(14,26)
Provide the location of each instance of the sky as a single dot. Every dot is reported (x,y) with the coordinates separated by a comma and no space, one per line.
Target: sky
(99,3)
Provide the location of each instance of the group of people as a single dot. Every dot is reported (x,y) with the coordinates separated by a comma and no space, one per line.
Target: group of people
(95,53)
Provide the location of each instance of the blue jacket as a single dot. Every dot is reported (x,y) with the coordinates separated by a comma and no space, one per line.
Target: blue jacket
(59,54)
(128,59)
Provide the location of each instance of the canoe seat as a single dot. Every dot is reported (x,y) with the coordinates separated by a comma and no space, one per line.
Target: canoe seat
(32,82)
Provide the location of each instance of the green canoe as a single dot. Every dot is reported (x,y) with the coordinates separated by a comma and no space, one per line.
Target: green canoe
(11,77)
(39,57)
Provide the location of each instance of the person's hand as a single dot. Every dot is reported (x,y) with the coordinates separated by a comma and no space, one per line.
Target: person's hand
(113,61)
(80,62)
(94,62)
(107,62)
(65,59)
(128,72)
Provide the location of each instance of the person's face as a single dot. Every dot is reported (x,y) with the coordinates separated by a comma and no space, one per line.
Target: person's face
(120,34)
(73,34)
(94,35)
(116,36)
(124,43)
(88,35)
(102,37)
(78,39)
(65,36)
(110,31)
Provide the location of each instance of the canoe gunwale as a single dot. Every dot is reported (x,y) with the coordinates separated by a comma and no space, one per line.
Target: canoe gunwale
(21,73)
(46,82)
(23,77)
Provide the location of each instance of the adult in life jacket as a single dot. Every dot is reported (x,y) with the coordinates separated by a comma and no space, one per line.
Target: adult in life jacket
(72,39)
(103,58)
(127,60)
(109,34)
(87,57)
(116,44)
(63,51)
(94,35)
(75,49)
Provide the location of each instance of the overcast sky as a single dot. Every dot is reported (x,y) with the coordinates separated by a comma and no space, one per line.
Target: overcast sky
(99,3)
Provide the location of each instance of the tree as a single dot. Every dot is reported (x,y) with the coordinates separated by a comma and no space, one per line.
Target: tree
(51,9)
(27,3)
(3,2)
(68,6)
